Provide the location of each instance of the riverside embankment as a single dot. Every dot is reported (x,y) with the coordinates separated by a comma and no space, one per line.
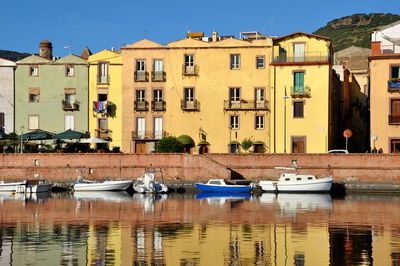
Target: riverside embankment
(361,172)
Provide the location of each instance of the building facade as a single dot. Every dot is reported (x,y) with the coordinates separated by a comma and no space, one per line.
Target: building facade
(7,70)
(105,97)
(51,94)
(210,92)
(384,67)
(301,93)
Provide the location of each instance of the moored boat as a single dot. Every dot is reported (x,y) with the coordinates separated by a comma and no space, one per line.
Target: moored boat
(220,185)
(10,186)
(34,186)
(108,185)
(147,183)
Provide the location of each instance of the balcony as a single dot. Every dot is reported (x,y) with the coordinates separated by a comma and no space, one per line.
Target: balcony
(309,57)
(103,79)
(244,105)
(105,134)
(141,106)
(190,105)
(300,92)
(190,70)
(148,135)
(158,76)
(394,119)
(158,105)
(70,106)
(394,85)
(141,76)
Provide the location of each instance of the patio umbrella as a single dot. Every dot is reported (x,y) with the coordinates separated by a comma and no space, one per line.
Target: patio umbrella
(93,140)
(69,134)
(38,134)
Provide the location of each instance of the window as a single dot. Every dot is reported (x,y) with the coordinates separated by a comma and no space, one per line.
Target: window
(141,127)
(299,144)
(140,65)
(34,71)
(158,95)
(158,68)
(33,122)
(234,94)
(70,98)
(141,95)
(260,97)
(260,62)
(69,71)
(189,94)
(298,109)
(102,123)
(2,120)
(69,122)
(189,67)
(234,122)
(158,127)
(395,145)
(235,61)
(395,72)
(102,97)
(394,117)
(102,73)
(298,52)
(259,122)
(298,81)
(34,95)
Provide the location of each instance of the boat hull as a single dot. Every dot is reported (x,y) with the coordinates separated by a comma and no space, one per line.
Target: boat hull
(10,186)
(103,186)
(223,188)
(319,185)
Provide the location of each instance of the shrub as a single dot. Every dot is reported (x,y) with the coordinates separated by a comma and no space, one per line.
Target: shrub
(168,145)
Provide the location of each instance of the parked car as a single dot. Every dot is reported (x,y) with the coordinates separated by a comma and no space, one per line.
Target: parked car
(338,151)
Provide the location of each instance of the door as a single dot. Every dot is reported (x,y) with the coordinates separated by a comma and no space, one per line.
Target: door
(140,147)
(189,98)
(260,98)
(69,122)
(298,52)
(158,127)
(141,127)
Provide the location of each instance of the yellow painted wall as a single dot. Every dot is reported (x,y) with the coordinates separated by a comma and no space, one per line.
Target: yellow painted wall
(380,103)
(114,93)
(314,124)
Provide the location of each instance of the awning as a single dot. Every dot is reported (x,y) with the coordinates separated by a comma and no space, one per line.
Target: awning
(258,142)
(203,142)
(186,140)
(69,134)
(69,91)
(93,140)
(34,91)
(38,134)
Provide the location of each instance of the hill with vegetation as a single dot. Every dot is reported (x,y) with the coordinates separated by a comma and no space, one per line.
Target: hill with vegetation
(12,55)
(355,29)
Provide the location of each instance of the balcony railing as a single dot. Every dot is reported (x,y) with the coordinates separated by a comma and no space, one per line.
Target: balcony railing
(245,105)
(158,76)
(141,106)
(394,119)
(394,85)
(103,79)
(105,134)
(70,106)
(300,92)
(190,105)
(307,57)
(158,105)
(190,70)
(141,76)
(150,135)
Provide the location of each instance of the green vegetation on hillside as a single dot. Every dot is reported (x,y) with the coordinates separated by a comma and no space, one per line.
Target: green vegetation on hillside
(355,29)
(12,55)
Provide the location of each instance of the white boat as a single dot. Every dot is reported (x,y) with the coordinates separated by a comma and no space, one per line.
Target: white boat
(11,186)
(294,182)
(34,186)
(108,185)
(110,196)
(147,182)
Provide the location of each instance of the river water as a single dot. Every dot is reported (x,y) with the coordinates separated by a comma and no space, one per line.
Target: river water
(116,228)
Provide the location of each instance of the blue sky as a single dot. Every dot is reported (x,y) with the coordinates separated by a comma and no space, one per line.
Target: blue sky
(100,24)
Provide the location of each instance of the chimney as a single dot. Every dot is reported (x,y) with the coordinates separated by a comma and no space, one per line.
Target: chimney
(375,48)
(46,49)
(214,36)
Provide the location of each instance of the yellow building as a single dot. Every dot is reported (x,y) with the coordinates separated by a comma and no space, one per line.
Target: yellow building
(301,112)
(105,97)
(211,92)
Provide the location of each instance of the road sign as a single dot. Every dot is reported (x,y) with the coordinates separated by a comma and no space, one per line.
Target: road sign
(347,133)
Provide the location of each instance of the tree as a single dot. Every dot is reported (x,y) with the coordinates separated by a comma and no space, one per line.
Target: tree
(246,144)
(169,144)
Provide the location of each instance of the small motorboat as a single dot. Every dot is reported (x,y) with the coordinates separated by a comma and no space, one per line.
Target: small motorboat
(108,185)
(11,186)
(34,186)
(294,182)
(147,182)
(220,185)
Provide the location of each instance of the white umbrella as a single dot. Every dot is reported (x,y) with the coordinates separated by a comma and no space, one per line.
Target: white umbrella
(93,140)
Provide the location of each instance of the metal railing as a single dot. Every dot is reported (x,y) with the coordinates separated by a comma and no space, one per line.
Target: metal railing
(141,105)
(390,49)
(158,76)
(138,135)
(158,105)
(394,119)
(141,76)
(190,70)
(300,91)
(190,105)
(307,57)
(394,85)
(246,105)
(70,106)
(105,134)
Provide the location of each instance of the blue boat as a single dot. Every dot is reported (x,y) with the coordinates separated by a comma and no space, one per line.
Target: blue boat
(219,185)
(223,195)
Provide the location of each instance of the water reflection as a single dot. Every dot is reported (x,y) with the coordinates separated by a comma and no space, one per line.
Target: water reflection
(198,229)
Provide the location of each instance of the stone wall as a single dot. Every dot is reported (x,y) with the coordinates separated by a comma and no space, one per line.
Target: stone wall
(367,168)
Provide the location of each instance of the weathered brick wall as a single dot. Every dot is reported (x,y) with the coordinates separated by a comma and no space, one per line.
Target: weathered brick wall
(66,167)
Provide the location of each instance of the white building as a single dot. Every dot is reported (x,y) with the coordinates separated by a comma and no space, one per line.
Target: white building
(7,69)
(389,36)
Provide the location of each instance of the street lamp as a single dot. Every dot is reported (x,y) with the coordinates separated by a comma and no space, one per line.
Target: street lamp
(22,145)
(284,121)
